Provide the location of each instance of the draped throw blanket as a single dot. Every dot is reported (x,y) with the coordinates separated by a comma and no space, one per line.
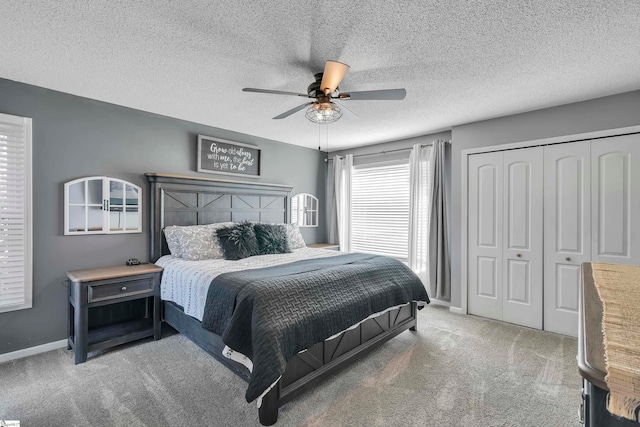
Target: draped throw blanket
(619,290)
(271,314)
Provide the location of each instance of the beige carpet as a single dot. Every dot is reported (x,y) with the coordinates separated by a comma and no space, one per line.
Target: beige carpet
(455,371)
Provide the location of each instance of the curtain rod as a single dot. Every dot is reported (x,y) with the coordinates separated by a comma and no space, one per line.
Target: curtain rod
(388,151)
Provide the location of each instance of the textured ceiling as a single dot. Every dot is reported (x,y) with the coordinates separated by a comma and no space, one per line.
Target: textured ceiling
(460,61)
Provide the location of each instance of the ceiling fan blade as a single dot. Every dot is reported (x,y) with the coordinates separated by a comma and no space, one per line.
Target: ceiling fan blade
(347,112)
(275,92)
(293,110)
(377,95)
(334,72)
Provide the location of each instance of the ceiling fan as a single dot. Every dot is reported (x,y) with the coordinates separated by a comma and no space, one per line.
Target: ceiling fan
(325,89)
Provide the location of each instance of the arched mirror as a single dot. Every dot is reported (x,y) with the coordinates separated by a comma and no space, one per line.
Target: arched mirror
(102,205)
(304,210)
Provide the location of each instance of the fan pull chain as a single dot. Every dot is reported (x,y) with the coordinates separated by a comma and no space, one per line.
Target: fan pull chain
(323,136)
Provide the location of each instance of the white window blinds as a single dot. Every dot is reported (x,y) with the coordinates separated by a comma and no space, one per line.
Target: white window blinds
(15,213)
(380,209)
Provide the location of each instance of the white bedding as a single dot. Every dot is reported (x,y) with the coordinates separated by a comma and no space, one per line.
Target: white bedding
(186,283)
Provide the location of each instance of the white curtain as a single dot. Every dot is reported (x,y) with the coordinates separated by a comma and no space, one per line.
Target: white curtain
(419,203)
(342,171)
(439,259)
(331,206)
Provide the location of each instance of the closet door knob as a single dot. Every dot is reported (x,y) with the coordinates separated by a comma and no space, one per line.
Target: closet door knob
(519,255)
(568,258)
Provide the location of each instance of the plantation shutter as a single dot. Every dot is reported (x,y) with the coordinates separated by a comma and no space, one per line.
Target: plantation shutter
(15,213)
(380,209)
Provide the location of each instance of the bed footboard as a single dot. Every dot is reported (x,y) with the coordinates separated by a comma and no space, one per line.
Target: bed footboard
(310,367)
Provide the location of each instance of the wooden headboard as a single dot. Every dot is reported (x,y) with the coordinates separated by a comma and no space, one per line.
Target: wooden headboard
(188,200)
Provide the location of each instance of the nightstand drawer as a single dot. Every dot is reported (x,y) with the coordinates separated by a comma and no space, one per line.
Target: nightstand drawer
(120,289)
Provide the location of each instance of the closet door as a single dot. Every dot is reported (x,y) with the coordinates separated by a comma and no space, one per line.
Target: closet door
(522,237)
(615,200)
(567,232)
(485,235)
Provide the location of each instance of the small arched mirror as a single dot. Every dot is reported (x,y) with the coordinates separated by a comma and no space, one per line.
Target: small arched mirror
(304,210)
(102,205)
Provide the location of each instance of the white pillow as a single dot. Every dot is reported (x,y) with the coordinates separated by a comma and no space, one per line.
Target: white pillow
(195,242)
(294,237)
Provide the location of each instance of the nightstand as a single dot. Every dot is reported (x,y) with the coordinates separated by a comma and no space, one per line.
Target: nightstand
(329,246)
(99,287)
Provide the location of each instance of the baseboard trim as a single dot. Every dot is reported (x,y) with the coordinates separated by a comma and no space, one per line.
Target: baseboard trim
(457,310)
(440,302)
(43,348)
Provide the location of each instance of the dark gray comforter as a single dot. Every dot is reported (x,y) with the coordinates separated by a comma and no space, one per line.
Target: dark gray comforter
(270,314)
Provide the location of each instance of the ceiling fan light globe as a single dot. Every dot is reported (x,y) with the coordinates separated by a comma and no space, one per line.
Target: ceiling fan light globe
(323,112)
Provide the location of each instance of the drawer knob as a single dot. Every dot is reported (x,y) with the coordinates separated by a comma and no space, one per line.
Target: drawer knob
(124,288)
(519,255)
(568,258)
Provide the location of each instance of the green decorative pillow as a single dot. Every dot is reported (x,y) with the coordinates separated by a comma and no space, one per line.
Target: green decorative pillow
(238,241)
(272,238)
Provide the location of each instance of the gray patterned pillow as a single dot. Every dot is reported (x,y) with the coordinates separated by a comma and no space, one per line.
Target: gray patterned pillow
(171,234)
(196,242)
(294,237)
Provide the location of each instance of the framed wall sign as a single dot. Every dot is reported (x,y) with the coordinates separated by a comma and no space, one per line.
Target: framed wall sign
(217,155)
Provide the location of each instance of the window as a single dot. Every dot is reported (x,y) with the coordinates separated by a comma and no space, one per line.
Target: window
(15,213)
(380,209)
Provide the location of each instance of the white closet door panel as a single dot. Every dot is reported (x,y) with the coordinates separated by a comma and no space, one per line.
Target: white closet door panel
(522,237)
(487,277)
(615,193)
(567,241)
(485,235)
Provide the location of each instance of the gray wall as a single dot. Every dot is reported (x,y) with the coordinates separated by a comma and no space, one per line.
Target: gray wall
(75,137)
(610,112)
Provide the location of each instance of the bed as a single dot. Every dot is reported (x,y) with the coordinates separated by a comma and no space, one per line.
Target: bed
(184,200)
